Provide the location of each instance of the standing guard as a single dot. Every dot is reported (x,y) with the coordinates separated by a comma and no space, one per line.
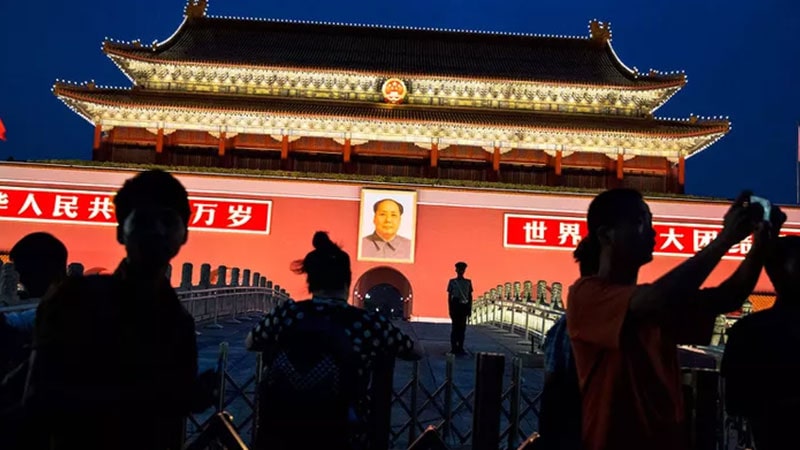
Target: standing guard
(459,292)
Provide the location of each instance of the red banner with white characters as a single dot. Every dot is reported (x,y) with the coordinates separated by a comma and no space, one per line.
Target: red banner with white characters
(31,204)
(564,233)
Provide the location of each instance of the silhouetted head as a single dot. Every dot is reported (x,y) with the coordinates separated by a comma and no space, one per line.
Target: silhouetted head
(40,259)
(388,214)
(152,213)
(327,267)
(783,268)
(620,226)
(461,267)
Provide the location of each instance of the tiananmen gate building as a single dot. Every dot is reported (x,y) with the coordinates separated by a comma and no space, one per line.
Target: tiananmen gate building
(488,147)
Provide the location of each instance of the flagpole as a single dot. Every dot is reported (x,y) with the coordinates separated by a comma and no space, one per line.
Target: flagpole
(797,165)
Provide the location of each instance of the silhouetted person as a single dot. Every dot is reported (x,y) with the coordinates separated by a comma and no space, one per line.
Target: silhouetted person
(624,335)
(459,305)
(40,259)
(115,357)
(762,356)
(41,262)
(560,413)
(319,357)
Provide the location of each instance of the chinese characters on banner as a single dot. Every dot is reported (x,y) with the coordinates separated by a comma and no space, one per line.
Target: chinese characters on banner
(97,208)
(564,233)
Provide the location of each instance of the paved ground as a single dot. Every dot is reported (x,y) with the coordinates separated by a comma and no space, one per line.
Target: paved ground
(434,340)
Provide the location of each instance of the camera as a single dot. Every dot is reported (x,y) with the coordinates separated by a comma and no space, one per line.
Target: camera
(765,204)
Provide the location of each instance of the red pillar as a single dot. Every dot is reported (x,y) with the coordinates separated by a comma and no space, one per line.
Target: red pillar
(98,134)
(559,156)
(221,146)
(494,174)
(348,148)
(285,162)
(620,164)
(681,173)
(160,140)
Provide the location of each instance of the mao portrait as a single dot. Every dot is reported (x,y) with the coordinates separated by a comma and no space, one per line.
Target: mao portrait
(387,225)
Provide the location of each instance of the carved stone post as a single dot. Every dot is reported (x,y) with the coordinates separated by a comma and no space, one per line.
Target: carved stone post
(234,277)
(75,270)
(262,282)
(246,277)
(186,276)
(555,296)
(222,274)
(205,276)
(256,277)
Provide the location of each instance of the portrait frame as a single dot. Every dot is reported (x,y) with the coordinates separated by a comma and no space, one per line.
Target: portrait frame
(406,232)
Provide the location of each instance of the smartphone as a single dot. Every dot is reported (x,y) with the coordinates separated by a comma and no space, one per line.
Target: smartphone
(765,204)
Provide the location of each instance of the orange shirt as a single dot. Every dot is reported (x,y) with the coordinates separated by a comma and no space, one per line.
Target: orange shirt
(628,371)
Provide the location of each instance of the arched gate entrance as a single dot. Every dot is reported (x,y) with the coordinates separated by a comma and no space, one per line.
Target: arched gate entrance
(384,289)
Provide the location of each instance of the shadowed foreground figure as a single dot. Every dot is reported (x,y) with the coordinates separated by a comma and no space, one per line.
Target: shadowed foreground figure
(319,356)
(762,357)
(624,335)
(41,262)
(115,357)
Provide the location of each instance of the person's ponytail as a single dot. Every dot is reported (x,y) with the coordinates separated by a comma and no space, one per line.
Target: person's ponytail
(326,267)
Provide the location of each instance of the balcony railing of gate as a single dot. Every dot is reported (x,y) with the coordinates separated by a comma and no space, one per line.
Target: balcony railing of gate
(233,293)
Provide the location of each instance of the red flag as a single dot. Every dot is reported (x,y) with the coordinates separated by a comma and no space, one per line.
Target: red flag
(2,130)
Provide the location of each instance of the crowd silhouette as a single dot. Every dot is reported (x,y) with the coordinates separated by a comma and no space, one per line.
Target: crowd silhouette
(90,361)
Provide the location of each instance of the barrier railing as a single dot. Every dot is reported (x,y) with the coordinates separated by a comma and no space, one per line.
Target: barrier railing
(412,406)
(530,320)
(709,425)
(230,296)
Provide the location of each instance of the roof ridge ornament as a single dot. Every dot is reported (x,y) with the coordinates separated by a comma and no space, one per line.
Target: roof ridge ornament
(195,9)
(600,32)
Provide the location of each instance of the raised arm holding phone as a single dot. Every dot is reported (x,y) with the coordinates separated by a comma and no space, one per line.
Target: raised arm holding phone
(624,335)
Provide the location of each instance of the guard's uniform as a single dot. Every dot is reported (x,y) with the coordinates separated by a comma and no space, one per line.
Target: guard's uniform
(459,292)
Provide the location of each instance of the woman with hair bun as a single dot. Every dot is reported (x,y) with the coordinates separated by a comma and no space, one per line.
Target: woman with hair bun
(319,357)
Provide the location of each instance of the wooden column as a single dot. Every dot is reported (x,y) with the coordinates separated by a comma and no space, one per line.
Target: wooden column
(285,163)
(225,157)
(100,149)
(620,166)
(494,174)
(160,140)
(347,157)
(433,170)
(221,146)
(559,157)
(285,147)
(681,173)
(347,150)
(98,136)
(161,156)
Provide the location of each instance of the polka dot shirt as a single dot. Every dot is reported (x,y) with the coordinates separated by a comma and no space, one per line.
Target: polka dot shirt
(370,334)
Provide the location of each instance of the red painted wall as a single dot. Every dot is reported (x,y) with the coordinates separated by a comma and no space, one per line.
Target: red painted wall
(452,225)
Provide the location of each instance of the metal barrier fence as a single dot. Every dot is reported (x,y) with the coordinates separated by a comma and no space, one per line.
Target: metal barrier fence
(710,427)
(417,402)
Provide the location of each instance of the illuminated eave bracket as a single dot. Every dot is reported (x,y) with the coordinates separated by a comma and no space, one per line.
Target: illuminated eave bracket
(610,143)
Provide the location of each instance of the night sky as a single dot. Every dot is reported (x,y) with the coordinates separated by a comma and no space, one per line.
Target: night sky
(742,59)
